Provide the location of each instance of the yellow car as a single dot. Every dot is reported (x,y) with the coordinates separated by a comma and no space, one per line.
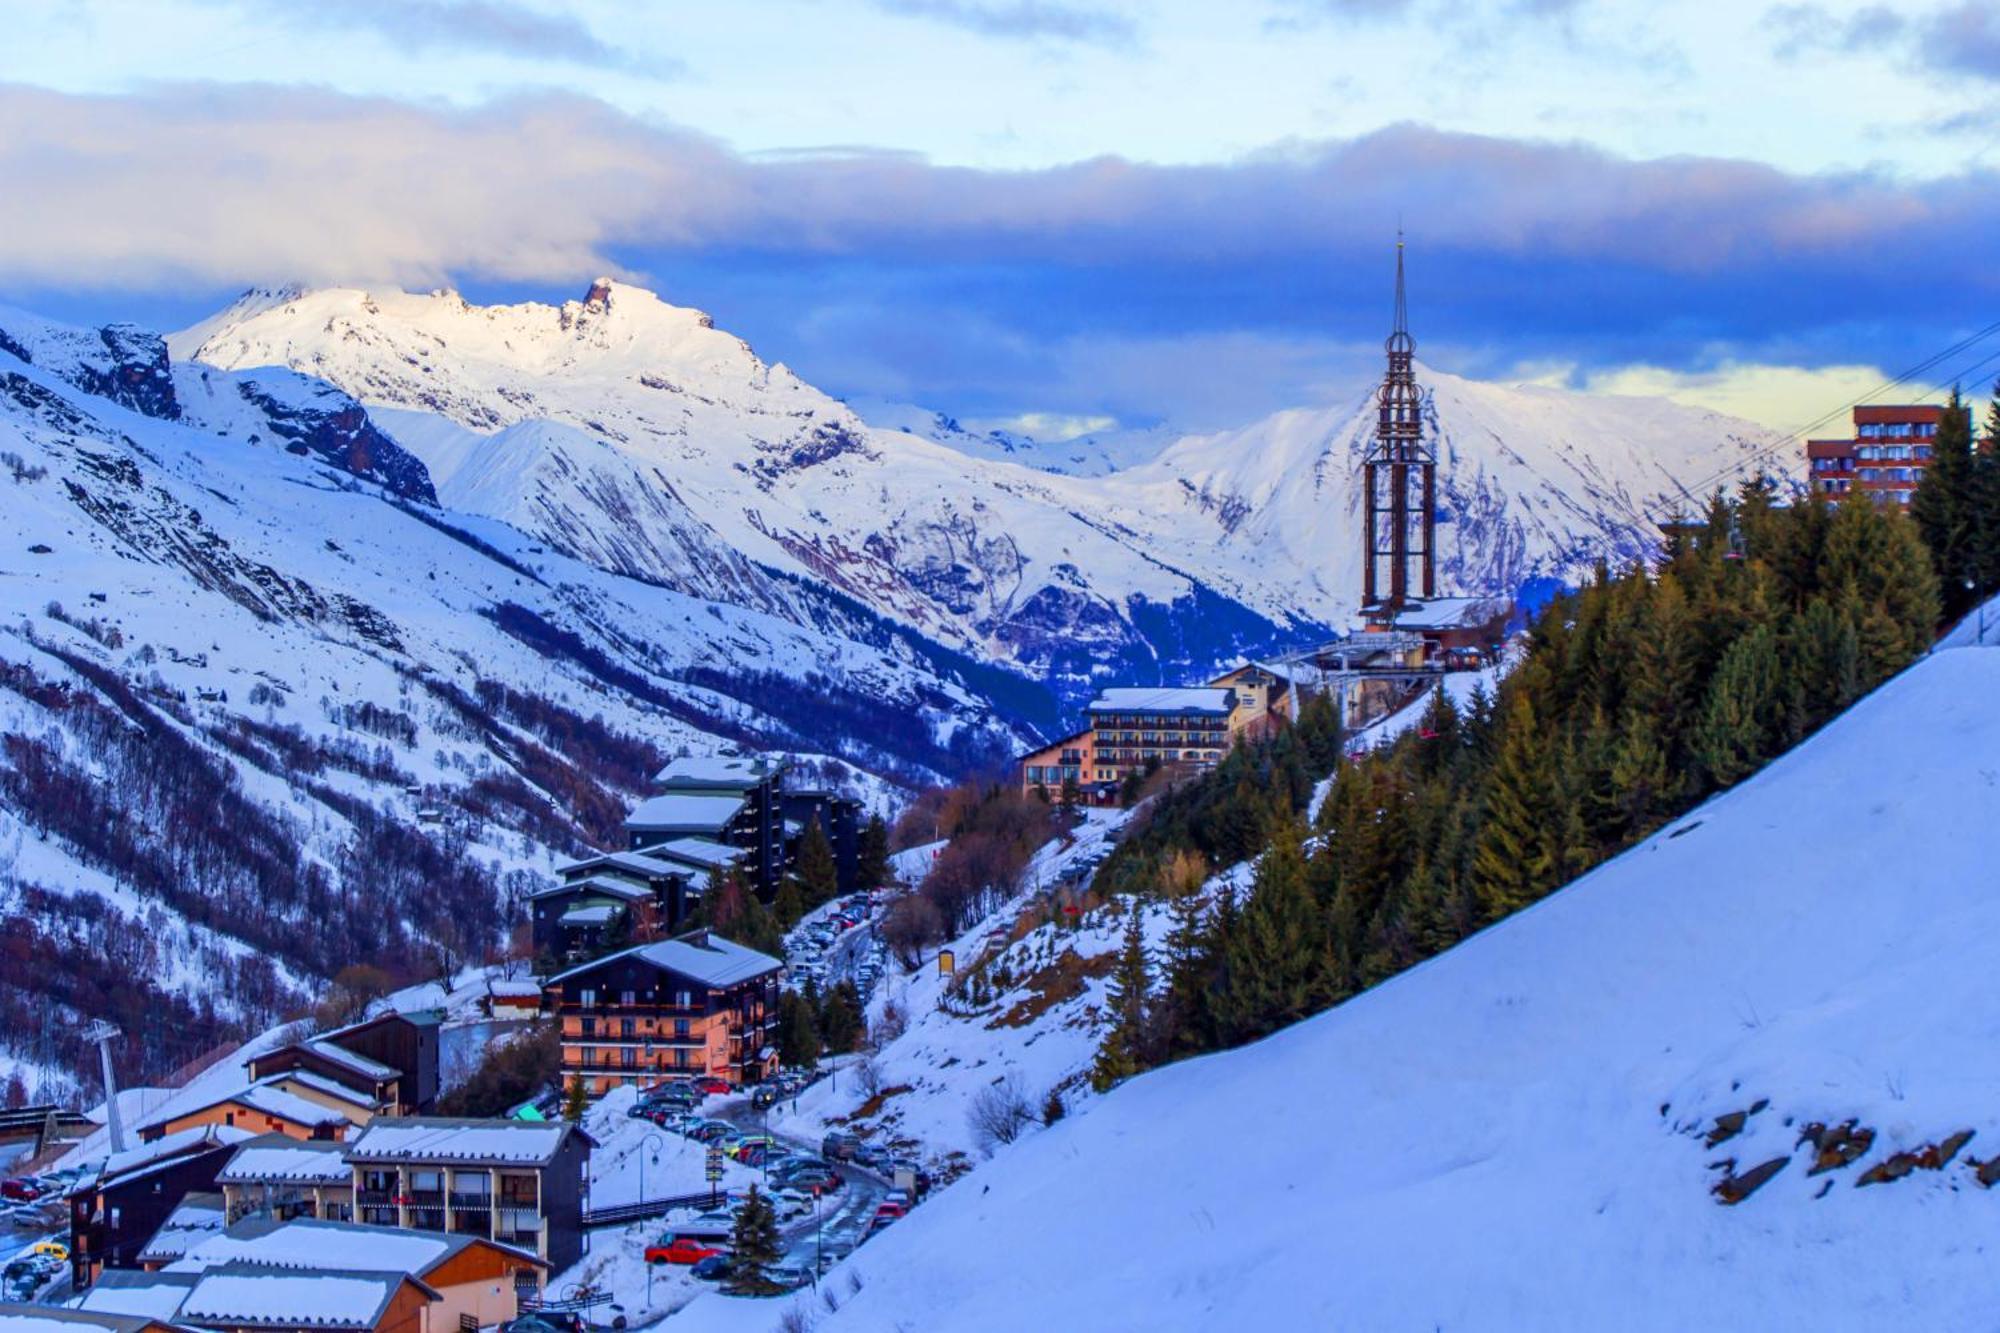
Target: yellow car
(55,1249)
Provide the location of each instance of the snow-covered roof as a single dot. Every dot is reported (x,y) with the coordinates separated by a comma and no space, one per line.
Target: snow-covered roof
(622,889)
(716,773)
(450,1139)
(53,1319)
(1173,699)
(703,957)
(139,1295)
(636,862)
(700,853)
(508,988)
(320,1083)
(265,1096)
(684,810)
(257,1295)
(1450,612)
(599,915)
(310,1243)
(180,1143)
(277,1157)
(198,1217)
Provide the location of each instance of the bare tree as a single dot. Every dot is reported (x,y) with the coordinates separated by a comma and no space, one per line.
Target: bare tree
(868,1076)
(1000,1113)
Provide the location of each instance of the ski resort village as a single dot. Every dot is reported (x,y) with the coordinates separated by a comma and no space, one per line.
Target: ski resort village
(972,738)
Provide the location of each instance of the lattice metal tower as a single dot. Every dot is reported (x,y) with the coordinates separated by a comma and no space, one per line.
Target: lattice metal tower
(1400,476)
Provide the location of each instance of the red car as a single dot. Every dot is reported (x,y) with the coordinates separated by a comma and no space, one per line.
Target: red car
(20,1191)
(889,1212)
(680,1250)
(713,1086)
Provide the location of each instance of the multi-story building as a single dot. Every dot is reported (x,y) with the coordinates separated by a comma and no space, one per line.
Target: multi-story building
(1071,759)
(390,1060)
(738,802)
(1886,458)
(115,1212)
(699,1004)
(1139,729)
(280,1177)
(518,1182)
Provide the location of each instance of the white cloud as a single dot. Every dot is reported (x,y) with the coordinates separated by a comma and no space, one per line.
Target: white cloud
(1787,398)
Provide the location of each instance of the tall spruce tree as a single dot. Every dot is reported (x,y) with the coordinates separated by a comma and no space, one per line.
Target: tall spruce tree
(813,868)
(1125,1048)
(755,1246)
(1274,963)
(1518,856)
(1734,735)
(872,861)
(1945,508)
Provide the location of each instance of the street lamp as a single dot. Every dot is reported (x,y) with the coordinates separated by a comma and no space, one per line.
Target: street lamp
(646,1143)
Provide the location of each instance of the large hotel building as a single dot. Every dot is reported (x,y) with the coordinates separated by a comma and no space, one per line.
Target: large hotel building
(1886,457)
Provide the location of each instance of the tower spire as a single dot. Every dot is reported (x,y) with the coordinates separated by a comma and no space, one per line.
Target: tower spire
(1400,476)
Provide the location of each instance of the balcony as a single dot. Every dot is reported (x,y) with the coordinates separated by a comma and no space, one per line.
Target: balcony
(378,1198)
(477,1199)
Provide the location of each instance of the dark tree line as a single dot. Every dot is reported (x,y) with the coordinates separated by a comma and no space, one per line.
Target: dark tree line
(1640,695)
(1957,507)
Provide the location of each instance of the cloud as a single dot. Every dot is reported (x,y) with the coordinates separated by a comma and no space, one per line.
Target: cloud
(1782,397)
(1799,30)
(497,26)
(1965,38)
(1022,19)
(1090,288)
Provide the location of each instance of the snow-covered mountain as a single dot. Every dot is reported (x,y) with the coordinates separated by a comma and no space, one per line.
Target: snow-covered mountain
(1092,454)
(634,435)
(1738,1077)
(266,710)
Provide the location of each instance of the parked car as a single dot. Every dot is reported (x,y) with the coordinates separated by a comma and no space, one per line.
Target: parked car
(681,1250)
(21,1190)
(838,1146)
(787,1277)
(712,1086)
(712,1269)
(764,1097)
(55,1249)
(890,1210)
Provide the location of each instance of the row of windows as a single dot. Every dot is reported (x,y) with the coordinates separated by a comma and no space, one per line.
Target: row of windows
(1897,430)
(1052,775)
(588,997)
(1114,720)
(1894,451)
(629,1027)
(1891,474)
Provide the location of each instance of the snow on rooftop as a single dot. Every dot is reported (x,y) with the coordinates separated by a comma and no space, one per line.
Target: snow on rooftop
(442,1139)
(704,957)
(309,1243)
(699,853)
(177,1144)
(589,916)
(684,810)
(623,889)
(637,862)
(736,774)
(1178,699)
(304,1299)
(137,1294)
(1451,612)
(295,1161)
(198,1217)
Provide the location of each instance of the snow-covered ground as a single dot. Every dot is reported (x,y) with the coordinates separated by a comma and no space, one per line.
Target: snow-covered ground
(1516,1134)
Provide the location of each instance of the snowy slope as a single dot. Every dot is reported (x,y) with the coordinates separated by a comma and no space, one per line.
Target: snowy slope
(1511,1135)
(243,567)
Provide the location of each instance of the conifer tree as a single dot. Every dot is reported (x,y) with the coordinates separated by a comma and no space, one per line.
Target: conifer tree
(1123,1052)
(798,1030)
(872,861)
(1733,737)
(575,1099)
(812,867)
(1986,503)
(1945,507)
(1184,1002)
(1517,858)
(1274,968)
(788,906)
(754,1244)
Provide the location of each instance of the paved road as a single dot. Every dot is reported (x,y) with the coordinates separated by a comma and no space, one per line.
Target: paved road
(842,1218)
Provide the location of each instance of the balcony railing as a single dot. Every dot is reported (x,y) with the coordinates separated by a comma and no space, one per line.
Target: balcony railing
(480,1199)
(377,1197)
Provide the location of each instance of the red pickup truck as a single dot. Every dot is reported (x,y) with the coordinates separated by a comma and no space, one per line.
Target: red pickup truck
(680,1250)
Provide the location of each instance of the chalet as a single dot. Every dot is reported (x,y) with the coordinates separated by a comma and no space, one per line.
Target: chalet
(1267,698)
(391,1059)
(115,1212)
(15,1318)
(295,1102)
(479,1282)
(698,1004)
(276,1176)
(1071,759)
(519,1183)
(513,998)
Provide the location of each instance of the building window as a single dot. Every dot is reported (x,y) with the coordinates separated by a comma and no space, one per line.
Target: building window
(626,997)
(680,1029)
(587,996)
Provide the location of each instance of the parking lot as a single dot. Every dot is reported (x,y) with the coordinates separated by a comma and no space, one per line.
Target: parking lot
(838,942)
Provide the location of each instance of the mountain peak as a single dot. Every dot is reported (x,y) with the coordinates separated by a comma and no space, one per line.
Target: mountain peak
(599,293)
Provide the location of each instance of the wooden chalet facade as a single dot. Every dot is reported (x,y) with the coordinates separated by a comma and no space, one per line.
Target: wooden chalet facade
(391,1059)
(521,1183)
(698,1004)
(113,1214)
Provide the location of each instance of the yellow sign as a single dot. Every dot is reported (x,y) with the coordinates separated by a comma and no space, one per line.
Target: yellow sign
(946,963)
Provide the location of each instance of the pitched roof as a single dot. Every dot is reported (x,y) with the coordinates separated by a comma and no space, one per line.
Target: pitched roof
(278,1157)
(453,1139)
(264,1095)
(128,1291)
(703,957)
(355,1246)
(622,889)
(17,1318)
(1451,613)
(699,853)
(168,1147)
(1196,699)
(634,862)
(716,773)
(259,1295)
(598,915)
(684,810)
(198,1217)
(320,1083)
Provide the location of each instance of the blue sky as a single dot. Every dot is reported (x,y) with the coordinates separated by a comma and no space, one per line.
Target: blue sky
(1072,209)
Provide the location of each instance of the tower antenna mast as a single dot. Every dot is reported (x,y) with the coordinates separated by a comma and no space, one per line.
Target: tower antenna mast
(1399,475)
